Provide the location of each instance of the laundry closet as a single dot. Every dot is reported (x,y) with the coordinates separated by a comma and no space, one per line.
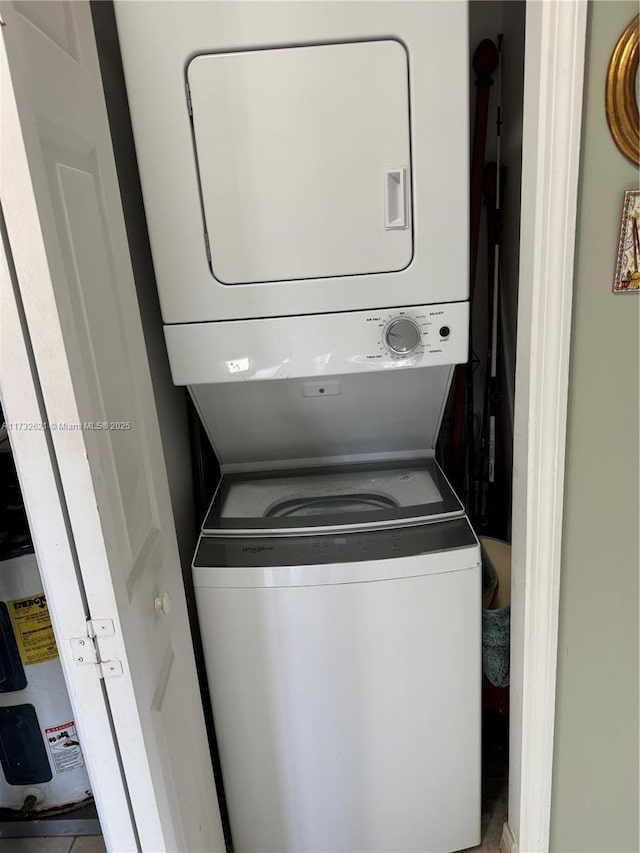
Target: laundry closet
(293,263)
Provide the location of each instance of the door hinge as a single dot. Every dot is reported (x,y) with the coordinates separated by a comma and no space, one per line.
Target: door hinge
(207,247)
(86,650)
(189,104)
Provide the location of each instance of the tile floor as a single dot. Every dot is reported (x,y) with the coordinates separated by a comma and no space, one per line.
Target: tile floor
(85,844)
(495,776)
(492,823)
(491,832)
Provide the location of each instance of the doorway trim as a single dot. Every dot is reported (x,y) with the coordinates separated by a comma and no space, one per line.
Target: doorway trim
(555,40)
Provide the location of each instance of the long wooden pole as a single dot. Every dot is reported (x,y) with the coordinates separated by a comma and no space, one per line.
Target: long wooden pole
(485,60)
(493,176)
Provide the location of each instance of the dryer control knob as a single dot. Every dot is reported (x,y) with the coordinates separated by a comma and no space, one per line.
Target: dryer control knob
(402,336)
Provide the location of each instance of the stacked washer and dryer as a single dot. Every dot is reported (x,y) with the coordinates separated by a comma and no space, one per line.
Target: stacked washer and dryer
(304,168)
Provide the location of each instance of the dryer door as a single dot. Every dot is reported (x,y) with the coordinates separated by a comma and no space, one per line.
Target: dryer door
(303,157)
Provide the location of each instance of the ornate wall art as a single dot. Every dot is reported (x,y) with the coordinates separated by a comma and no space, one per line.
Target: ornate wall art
(627,277)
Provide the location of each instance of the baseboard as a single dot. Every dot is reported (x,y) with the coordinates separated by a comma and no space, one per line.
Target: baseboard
(508,844)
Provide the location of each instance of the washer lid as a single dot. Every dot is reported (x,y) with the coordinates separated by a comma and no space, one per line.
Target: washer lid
(336,498)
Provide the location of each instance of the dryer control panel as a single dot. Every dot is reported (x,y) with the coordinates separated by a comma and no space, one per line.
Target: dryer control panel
(318,345)
(407,334)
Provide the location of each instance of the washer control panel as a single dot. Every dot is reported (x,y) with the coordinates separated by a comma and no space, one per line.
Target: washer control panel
(318,345)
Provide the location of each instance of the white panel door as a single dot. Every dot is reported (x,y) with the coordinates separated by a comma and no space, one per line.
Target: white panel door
(45,509)
(303,159)
(60,198)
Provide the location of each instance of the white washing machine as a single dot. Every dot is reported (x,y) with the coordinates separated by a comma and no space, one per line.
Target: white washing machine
(340,616)
(338,582)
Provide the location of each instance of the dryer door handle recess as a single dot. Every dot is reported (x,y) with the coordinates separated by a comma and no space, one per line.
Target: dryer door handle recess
(395,199)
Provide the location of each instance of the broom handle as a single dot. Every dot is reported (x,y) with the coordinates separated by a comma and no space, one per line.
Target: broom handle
(485,60)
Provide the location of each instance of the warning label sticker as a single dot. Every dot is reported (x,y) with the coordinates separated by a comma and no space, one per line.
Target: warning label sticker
(32,628)
(64,746)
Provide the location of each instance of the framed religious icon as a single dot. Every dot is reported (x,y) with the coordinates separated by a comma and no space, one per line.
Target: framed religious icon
(627,275)
(623,92)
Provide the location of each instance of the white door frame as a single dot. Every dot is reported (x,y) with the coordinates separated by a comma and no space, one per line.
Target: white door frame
(552,121)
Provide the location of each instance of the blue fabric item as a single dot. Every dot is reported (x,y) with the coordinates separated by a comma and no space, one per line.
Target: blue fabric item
(495,645)
(495,631)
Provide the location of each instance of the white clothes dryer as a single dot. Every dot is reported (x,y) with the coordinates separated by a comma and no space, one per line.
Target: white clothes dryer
(340,616)
(298,158)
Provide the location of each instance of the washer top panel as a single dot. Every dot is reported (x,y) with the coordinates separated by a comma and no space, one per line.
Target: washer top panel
(303,159)
(328,549)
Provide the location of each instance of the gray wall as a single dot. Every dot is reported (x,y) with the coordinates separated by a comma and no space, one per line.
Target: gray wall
(595,780)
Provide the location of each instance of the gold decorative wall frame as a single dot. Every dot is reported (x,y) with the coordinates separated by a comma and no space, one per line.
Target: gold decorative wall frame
(621,99)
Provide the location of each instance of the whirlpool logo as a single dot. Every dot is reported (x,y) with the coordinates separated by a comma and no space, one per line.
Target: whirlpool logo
(256,549)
